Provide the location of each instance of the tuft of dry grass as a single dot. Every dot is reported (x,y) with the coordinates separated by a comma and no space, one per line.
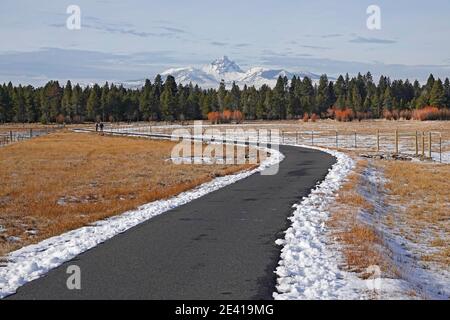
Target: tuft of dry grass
(359,241)
(422,198)
(55,183)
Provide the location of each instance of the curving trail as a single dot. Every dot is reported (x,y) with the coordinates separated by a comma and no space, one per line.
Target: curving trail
(221,246)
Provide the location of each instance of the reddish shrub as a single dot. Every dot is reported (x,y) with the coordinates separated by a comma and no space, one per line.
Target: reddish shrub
(431,113)
(387,115)
(226,116)
(406,114)
(305,117)
(238,116)
(344,115)
(314,117)
(214,117)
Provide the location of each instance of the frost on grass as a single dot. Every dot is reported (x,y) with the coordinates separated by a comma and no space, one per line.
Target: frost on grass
(31,262)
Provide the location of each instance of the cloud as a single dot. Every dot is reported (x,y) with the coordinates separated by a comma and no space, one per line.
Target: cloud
(372,40)
(172,29)
(332,35)
(336,67)
(124,28)
(315,47)
(242,45)
(84,66)
(219,44)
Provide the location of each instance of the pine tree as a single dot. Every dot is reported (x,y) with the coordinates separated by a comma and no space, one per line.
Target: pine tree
(205,105)
(93,107)
(235,97)
(144,100)
(447,92)
(19,105)
(78,104)
(367,104)
(375,106)
(155,97)
(104,107)
(293,102)
(307,95)
(437,94)
(269,110)
(193,103)
(182,109)
(221,94)
(66,102)
(340,91)
(387,100)
(168,99)
(30,106)
(357,99)
(261,107)
(325,95)
(279,99)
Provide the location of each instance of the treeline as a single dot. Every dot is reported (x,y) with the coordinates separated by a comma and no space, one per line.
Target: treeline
(168,101)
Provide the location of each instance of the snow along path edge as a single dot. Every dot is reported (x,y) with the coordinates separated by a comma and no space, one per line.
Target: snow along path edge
(33,261)
(308,266)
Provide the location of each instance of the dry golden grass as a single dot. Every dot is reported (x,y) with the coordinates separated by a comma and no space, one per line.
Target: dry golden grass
(421,194)
(359,241)
(65,180)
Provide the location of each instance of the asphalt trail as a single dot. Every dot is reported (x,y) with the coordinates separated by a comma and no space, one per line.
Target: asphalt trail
(220,246)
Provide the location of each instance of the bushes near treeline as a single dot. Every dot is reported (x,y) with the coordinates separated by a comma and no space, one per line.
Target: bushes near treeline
(428,113)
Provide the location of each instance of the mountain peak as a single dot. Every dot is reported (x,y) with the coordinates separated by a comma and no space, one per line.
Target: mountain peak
(224,65)
(210,75)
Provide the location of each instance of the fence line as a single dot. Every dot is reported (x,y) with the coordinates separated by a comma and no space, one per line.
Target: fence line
(11,136)
(424,145)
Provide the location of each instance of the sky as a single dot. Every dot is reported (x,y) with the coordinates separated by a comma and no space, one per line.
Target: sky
(136,39)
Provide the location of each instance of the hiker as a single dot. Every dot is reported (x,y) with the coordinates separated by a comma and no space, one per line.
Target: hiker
(101,126)
(96,127)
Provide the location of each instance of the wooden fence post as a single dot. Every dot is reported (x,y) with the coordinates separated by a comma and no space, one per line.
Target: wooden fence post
(312,137)
(11,136)
(356,145)
(378,140)
(337,141)
(440,147)
(297,138)
(396,141)
(423,144)
(429,145)
(417,143)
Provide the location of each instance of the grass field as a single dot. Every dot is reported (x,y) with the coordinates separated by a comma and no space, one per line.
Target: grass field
(395,214)
(62,181)
(419,196)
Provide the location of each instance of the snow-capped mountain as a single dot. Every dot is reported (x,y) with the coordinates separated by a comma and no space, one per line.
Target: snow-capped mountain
(210,76)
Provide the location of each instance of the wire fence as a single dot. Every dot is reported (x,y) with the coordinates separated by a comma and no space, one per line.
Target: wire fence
(425,145)
(13,136)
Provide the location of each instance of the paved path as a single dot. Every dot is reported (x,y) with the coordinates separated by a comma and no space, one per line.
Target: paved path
(220,246)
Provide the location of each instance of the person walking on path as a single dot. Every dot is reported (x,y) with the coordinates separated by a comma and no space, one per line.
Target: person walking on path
(96,127)
(101,127)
